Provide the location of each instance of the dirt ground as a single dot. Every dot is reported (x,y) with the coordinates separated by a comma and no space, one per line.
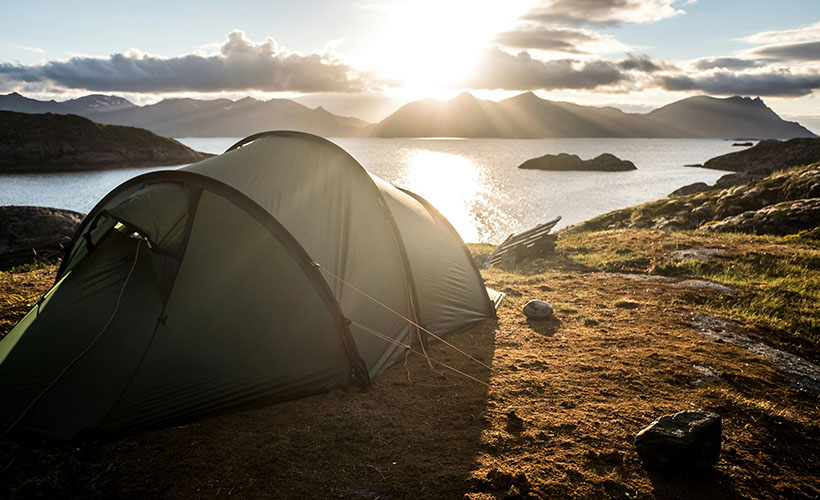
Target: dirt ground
(564,401)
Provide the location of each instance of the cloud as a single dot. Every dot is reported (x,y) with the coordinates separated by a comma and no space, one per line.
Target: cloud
(240,65)
(602,12)
(793,35)
(725,62)
(499,70)
(557,39)
(641,63)
(29,49)
(798,51)
(781,84)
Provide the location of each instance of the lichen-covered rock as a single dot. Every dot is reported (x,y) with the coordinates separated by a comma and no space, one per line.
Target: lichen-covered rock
(29,233)
(683,441)
(788,217)
(778,204)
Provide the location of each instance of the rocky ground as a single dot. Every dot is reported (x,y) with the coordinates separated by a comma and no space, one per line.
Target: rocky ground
(634,337)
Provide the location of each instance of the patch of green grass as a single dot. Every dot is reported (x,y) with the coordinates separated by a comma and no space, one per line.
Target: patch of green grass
(778,278)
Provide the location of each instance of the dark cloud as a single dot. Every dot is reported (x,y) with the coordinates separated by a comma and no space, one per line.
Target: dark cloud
(241,65)
(725,62)
(761,84)
(639,63)
(500,70)
(553,39)
(798,51)
(601,12)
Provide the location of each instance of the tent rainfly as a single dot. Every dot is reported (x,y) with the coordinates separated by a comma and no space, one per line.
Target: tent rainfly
(278,269)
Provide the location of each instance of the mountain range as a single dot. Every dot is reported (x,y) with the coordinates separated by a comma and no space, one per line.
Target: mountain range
(523,116)
(528,116)
(196,117)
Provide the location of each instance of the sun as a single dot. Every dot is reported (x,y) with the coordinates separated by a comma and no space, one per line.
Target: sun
(435,44)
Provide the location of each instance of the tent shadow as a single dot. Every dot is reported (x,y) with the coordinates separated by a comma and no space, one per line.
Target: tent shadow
(414,434)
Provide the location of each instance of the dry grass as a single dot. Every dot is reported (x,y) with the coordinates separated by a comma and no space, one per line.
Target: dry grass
(20,289)
(565,398)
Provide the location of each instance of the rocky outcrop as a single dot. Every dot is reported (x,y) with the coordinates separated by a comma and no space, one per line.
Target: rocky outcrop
(604,162)
(788,217)
(768,156)
(786,202)
(28,234)
(70,142)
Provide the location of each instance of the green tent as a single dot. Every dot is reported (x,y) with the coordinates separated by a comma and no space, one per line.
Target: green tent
(278,269)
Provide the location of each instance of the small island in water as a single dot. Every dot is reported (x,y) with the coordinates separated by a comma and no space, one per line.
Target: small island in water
(69,142)
(562,162)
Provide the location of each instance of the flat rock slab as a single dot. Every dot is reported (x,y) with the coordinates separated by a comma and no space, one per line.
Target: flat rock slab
(691,283)
(639,277)
(706,285)
(684,441)
(803,373)
(700,254)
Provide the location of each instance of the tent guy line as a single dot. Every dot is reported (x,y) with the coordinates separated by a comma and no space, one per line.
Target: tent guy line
(319,266)
(410,349)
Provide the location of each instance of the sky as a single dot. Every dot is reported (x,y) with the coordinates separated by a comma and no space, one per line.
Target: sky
(365,58)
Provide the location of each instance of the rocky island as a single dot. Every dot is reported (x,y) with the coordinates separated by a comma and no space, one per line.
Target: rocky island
(70,142)
(562,162)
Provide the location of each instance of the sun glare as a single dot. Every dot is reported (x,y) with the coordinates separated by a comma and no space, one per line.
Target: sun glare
(434,44)
(450,182)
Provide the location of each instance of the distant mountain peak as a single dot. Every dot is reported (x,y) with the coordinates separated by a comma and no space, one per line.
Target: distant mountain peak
(528,96)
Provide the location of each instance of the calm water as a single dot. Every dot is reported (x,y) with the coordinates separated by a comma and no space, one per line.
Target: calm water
(473,182)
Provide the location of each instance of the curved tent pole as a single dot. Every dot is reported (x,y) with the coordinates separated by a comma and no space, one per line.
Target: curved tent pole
(359,373)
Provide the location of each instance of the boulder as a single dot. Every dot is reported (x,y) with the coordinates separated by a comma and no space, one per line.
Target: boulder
(684,441)
(560,162)
(29,233)
(537,309)
(697,187)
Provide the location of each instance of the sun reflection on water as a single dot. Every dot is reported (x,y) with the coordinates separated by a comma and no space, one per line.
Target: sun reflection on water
(452,183)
